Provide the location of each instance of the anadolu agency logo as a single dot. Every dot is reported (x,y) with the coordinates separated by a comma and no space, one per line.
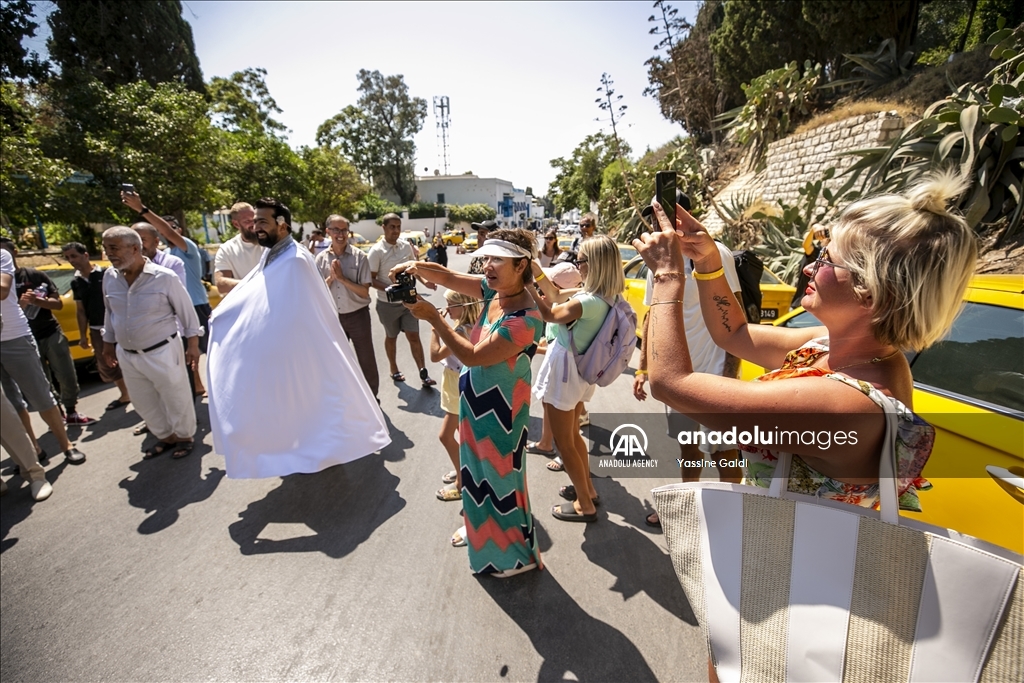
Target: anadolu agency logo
(628,445)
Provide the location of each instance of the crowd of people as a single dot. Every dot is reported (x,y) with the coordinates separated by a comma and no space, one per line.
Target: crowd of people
(889,280)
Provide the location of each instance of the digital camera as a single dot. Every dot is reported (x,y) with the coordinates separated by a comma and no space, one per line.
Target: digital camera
(403,291)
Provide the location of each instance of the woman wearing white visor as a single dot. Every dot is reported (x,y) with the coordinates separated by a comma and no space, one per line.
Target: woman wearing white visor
(494,399)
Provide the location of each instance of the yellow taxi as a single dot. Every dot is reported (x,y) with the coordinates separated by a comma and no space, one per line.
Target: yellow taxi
(470,243)
(565,242)
(67,317)
(452,238)
(775,294)
(626,252)
(970,387)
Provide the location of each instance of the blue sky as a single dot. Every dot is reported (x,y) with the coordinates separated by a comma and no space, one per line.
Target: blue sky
(521,77)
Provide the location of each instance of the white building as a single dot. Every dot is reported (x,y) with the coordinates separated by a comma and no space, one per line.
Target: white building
(513,206)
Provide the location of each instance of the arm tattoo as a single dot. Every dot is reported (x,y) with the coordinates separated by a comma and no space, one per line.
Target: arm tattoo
(732,366)
(722,304)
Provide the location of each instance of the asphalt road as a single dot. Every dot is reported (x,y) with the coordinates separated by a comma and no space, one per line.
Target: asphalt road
(165,570)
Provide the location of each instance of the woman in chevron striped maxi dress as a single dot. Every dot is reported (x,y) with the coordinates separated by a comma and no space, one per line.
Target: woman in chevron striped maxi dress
(494,404)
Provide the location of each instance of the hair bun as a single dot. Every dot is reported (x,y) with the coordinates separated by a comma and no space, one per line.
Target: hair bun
(935,191)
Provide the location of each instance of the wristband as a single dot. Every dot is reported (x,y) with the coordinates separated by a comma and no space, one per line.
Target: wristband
(639,373)
(709,276)
(538,278)
(144,211)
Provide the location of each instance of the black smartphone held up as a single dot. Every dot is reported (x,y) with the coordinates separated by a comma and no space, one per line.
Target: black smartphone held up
(665,191)
(130,189)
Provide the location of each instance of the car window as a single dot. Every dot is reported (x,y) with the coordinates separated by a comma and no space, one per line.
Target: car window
(626,252)
(636,271)
(802,319)
(61,278)
(770,278)
(981,358)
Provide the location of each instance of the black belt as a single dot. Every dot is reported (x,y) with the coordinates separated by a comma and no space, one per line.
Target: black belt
(154,347)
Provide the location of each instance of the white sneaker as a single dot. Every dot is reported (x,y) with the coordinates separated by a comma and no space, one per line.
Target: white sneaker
(584,418)
(41,489)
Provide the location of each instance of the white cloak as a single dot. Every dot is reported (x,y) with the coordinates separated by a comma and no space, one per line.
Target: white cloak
(286,391)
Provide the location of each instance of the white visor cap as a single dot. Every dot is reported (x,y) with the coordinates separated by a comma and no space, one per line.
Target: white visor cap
(503,249)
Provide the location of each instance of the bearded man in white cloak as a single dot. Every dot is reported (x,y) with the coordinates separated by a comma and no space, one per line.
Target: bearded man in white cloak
(286,391)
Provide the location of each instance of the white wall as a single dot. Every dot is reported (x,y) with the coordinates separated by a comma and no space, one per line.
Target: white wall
(371,231)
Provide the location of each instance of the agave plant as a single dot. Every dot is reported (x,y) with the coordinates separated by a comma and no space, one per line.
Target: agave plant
(875,69)
(977,129)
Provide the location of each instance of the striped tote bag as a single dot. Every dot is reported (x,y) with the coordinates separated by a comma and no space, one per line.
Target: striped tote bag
(789,587)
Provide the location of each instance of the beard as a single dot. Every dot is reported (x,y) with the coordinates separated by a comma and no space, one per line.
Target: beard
(266,239)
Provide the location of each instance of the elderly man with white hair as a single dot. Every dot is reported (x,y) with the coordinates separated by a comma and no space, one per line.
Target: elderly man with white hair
(144,303)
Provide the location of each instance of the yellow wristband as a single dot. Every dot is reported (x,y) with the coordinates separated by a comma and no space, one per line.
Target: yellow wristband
(639,372)
(709,276)
(538,278)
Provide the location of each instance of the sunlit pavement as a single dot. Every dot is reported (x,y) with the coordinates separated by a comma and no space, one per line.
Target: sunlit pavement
(165,570)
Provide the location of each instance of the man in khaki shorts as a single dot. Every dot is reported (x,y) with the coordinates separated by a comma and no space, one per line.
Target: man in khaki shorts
(395,317)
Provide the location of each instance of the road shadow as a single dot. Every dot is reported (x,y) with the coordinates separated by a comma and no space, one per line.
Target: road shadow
(638,564)
(164,486)
(570,641)
(400,443)
(17,504)
(343,506)
(424,400)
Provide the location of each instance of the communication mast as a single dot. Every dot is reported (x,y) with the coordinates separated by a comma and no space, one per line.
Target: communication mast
(441,115)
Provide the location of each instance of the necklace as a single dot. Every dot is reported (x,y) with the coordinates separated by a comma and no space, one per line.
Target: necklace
(866,362)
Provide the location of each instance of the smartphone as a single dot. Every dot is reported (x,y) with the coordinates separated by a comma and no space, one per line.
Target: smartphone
(665,191)
(128,187)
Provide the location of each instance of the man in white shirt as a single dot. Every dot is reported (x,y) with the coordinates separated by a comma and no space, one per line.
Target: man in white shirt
(240,255)
(21,371)
(346,271)
(145,304)
(706,355)
(383,256)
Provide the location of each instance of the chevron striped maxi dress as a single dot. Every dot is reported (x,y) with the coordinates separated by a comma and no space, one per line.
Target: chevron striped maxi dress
(494,414)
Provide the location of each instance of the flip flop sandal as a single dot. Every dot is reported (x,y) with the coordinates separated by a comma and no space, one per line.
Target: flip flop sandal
(556,465)
(532,447)
(115,404)
(158,449)
(425,378)
(459,537)
(141,429)
(398,377)
(449,493)
(569,493)
(183,449)
(450,478)
(649,522)
(567,513)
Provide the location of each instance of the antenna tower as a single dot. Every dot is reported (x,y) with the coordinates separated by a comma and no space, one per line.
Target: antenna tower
(441,115)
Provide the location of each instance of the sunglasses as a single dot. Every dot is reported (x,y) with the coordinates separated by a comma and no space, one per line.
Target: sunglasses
(823,260)
(581,261)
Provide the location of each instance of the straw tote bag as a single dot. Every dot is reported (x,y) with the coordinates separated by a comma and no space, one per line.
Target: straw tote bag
(788,587)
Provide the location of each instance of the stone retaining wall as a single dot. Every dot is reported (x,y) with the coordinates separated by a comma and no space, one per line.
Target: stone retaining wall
(798,159)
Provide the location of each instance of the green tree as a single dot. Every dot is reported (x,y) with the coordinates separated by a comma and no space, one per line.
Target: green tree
(332,186)
(577,183)
(377,133)
(28,178)
(253,165)
(242,102)
(15,25)
(159,139)
(684,78)
(122,41)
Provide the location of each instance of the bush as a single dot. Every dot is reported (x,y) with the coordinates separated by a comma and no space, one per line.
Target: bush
(426,210)
(470,213)
(375,206)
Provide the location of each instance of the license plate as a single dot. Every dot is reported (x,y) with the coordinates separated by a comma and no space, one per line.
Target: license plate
(769,313)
